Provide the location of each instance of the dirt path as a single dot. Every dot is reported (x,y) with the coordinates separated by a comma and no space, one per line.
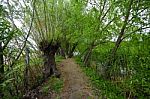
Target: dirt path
(76,85)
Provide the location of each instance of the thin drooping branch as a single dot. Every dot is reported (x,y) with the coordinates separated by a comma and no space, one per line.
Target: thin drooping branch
(10,36)
(38,23)
(25,41)
(45,17)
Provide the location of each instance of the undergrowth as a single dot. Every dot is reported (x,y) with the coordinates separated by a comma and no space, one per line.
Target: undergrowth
(128,88)
(54,85)
(102,88)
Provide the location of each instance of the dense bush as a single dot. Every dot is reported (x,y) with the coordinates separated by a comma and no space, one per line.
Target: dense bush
(129,73)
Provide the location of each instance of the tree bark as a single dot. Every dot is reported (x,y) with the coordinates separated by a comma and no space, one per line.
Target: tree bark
(67,45)
(72,50)
(87,57)
(112,58)
(88,54)
(49,50)
(122,32)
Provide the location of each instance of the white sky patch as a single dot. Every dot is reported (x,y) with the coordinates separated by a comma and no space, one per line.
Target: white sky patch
(91,4)
(18,23)
(114,39)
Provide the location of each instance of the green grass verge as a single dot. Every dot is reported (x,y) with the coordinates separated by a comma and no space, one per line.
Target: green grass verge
(103,88)
(54,84)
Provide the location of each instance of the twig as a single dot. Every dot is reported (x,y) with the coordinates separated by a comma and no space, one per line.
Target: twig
(25,38)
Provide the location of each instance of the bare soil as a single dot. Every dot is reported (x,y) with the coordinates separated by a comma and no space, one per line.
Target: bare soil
(76,83)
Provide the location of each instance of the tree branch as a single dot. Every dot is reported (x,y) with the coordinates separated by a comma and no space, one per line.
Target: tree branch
(134,32)
(25,38)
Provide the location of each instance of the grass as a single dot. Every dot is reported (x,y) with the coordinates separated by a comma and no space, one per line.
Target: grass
(101,87)
(54,84)
(58,59)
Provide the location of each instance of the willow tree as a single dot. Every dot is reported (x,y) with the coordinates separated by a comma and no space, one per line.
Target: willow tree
(97,26)
(134,18)
(55,23)
(47,31)
(72,27)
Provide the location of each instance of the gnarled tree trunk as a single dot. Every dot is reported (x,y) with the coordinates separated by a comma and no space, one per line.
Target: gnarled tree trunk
(49,49)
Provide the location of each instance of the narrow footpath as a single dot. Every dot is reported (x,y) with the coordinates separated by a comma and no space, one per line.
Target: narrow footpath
(76,84)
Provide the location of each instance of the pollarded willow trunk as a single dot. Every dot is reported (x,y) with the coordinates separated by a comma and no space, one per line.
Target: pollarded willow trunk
(49,49)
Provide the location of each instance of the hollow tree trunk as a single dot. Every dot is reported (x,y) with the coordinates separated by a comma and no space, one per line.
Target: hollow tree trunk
(49,50)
